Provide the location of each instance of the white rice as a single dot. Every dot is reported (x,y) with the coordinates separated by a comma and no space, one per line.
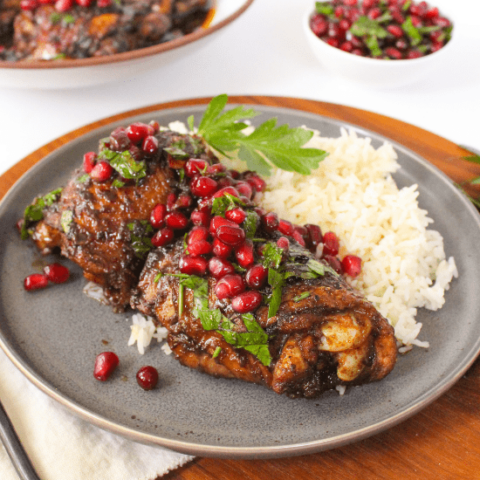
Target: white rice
(143,331)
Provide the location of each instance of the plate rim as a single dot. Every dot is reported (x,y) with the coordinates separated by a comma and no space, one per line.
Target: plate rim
(232,451)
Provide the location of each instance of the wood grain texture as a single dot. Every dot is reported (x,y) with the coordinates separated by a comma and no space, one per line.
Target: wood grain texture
(440,442)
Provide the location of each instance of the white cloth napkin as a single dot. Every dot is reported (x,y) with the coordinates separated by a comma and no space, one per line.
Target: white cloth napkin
(64,447)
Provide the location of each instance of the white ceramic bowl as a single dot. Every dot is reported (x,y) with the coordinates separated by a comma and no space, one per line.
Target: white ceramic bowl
(95,71)
(371,72)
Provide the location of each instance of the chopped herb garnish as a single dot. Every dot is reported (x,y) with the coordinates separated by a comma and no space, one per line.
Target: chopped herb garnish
(66,220)
(300,297)
(324,8)
(55,17)
(276,280)
(372,44)
(224,203)
(83,178)
(158,276)
(216,353)
(185,245)
(140,237)
(319,268)
(411,31)
(181,174)
(124,164)
(272,255)
(118,183)
(67,19)
(267,145)
(177,149)
(181,299)
(366,26)
(250,224)
(406,5)
(238,268)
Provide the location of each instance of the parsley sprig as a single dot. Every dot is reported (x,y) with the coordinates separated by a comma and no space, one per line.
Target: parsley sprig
(473,158)
(268,144)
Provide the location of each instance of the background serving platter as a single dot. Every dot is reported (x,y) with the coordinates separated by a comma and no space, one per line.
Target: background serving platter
(54,335)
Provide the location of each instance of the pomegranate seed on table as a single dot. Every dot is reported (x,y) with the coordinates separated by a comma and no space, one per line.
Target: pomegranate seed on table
(35,281)
(194,166)
(56,273)
(200,218)
(232,236)
(219,221)
(157,216)
(105,364)
(285,227)
(334,262)
(247,301)
(192,265)
(101,172)
(270,221)
(219,267)
(330,244)
(352,265)
(147,377)
(89,160)
(163,237)
(256,276)
(176,220)
(245,254)
(220,249)
(203,186)
(283,243)
(229,286)
(150,145)
(197,234)
(236,215)
(223,191)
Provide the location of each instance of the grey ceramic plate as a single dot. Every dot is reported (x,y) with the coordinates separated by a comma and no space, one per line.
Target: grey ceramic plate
(53,336)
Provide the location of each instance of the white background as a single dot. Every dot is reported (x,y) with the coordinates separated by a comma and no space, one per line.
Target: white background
(262,52)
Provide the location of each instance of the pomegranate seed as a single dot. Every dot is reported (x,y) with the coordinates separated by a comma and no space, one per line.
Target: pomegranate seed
(28,4)
(219,267)
(397,16)
(203,186)
(344,25)
(229,286)
(176,220)
(245,189)
(334,262)
(285,227)
(414,54)
(197,234)
(416,21)
(150,145)
(171,200)
(393,53)
(257,183)
(217,222)
(270,221)
(395,30)
(202,247)
(233,236)
(220,249)
(200,218)
(56,273)
(157,216)
(369,3)
(256,276)
(314,235)
(104,3)
(155,125)
(357,51)
(192,265)
(101,172)
(225,182)
(401,44)
(137,132)
(35,281)
(299,238)
(105,364)
(283,243)
(147,377)
(352,265)
(339,11)
(163,237)
(319,27)
(205,204)
(89,160)
(334,30)
(84,3)
(330,244)
(184,200)
(441,22)
(119,140)
(234,174)
(350,3)
(223,191)
(346,47)
(374,13)
(236,215)
(245,254)
(247,301)
(432,13)
(217,168)
(260,211)
(63,5)
(333,42)
(436,46)
(194,167)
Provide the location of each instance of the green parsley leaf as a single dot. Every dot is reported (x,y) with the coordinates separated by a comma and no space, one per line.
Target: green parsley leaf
(124,164)
(300,297)
(365,26)
(272,255)
(411,31)
(140,237)
(324,8)
(177,149)
(66,220)
(158,276)
(250,224)
(372,44)
(424,30)
(276,280)
(216,353)
(181,174)
(319,268)
(224,203)
(118,183)
(55,17)
(267,145)
(83,178)
(406,5)
(67,19)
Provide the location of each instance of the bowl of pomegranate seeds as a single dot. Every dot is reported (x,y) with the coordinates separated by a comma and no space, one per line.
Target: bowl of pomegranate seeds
(381,43)
(75,43)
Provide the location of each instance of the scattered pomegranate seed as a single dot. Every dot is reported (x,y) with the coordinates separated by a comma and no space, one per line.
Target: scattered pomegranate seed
(270,221)
(256,276)
(184,200)
(101,172)
(245,254)
(334,262)
(233,236)
(225,182)
(374,13)
(230,190)
(330,244)
(195,166)
(202,247)
(247,301)
(56,273)
(197,234)
(245,189)
(229,286)
(393,53)
(105,364)
(352,265)
(219,267)
(220,249)
(236,215)
(285,227)
(171,201)
(217,222)
(319,27)
(89,160)
(257,183)
(63,5)
(119,140)
(147,377)
(163,237)
(432,13)
(35,281)
(234,174)
(314,235)
(283,243)
(216,168)
(150,145)
(395,30)
(176,220)
(200,218)
(203,186)
(157,216)
(299,238)
(28,4)
(192,265)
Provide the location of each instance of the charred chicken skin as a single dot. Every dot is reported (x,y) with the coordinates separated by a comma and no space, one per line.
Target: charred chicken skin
(157,222)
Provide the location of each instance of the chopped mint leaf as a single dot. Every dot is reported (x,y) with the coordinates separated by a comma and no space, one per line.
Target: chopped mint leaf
(319,268)
(224,203)
(191,122)
(272,255)
(83,178)
(411,31)
(406,5)
(124,164)
(250,224)
(216,353)
(365,26)
(140,237)
(424,30)
(324,8)
(177,149)
(66,220)
(158,276)
(300,297)
(181,174)
(181,299)
(118,183)
(267,145)
(55,17)
(276,280)
(238,268)
(372,44)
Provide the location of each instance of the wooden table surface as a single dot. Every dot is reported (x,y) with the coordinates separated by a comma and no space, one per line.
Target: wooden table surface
(440,442)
